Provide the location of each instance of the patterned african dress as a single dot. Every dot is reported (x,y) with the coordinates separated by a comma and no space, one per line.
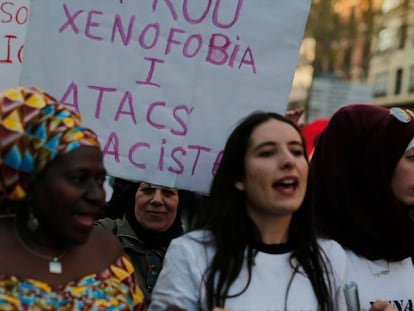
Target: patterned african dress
(114,289)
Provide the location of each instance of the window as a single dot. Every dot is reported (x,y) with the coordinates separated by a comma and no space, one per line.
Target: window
(387,39)
(411,82)
(380,85)
(402,36)
(398,80)
(388,5)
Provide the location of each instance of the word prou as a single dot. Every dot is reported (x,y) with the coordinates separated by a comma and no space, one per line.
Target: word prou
(222,50)
(140,150)
(191,20)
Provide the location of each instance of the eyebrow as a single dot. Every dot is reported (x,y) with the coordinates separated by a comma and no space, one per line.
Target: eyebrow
(271,143)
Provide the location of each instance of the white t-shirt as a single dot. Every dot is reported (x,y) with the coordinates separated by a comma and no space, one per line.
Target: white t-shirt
(379,279)
(180,282)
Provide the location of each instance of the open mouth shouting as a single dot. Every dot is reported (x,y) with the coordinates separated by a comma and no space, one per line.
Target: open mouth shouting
(286,185)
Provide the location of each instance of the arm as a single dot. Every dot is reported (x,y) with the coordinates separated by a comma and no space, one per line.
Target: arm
(180,281)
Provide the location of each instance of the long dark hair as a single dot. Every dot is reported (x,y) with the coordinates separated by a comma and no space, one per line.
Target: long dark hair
(234,232)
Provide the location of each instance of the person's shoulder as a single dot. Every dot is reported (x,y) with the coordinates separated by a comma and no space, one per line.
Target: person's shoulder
(331,248)
(106,243)
(196,236)
(108,223)
(105,222)
(191,249)
(193,239)
(335,257)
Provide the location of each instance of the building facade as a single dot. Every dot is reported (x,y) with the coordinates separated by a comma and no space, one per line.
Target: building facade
(391,69)
(337,43)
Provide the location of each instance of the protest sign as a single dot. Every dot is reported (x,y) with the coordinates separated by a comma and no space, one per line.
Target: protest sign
(164,82)
(13,23)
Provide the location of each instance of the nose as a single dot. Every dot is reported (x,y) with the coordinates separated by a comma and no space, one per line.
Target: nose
(157,199)
(287,160)
(95,192)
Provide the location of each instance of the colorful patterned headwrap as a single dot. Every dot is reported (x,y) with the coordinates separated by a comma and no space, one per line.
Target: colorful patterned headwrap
(34,130)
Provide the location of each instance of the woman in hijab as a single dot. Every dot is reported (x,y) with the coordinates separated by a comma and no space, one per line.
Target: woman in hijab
(152,219)
(51,191)
(363,166)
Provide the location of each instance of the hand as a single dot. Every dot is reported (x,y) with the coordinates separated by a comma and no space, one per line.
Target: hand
(381,305)
(294,115)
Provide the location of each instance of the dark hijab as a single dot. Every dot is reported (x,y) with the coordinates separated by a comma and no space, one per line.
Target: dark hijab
(152,239)
(353,165)
(122,202)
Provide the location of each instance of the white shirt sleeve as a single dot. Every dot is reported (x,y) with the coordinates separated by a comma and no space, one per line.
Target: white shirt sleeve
(180,282)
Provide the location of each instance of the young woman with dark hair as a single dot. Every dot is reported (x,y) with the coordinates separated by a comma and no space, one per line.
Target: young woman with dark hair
(255,247)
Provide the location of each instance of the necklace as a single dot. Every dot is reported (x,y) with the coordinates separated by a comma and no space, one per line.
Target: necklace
(377,269)
(55,266)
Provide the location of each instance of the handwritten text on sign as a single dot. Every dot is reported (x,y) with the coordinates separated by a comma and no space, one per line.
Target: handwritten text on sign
(164,82)
(13,19)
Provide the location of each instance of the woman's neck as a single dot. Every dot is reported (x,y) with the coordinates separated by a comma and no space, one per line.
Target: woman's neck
(273,230)
(38,240)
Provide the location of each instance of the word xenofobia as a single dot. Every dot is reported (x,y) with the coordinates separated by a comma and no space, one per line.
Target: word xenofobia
(222,50)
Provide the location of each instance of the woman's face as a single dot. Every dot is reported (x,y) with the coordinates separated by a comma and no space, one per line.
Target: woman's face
(276,171)
(69,195)
(156,206)
(402,182)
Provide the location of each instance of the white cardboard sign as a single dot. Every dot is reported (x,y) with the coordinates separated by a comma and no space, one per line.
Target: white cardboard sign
(163,82)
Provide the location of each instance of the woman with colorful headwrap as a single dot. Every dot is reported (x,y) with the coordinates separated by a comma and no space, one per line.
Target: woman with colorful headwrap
(363,166)
(51,191)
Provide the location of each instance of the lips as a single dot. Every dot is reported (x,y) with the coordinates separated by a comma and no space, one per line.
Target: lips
(286,185)
(155,213)
(287,182)
(84,220)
